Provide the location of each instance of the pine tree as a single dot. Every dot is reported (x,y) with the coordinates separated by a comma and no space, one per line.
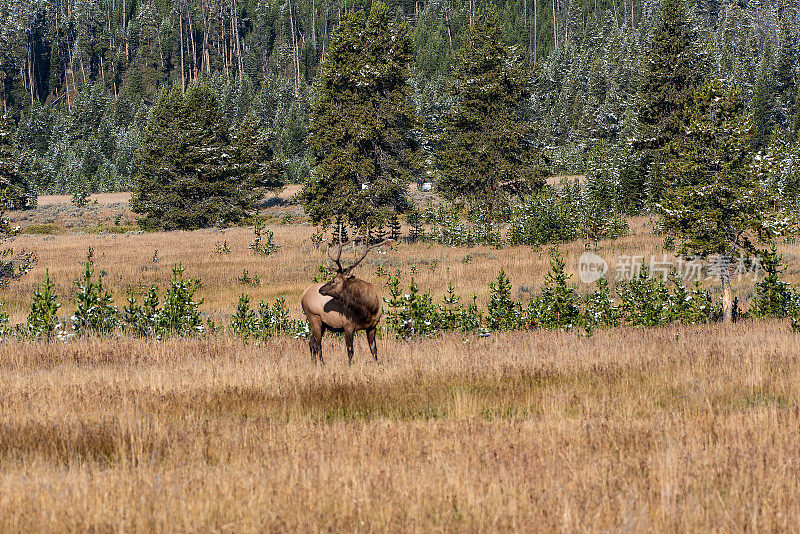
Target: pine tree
(785,76)
(255,161)
(774,298)
(15,192)
(764,100)
(669,79)
(156,159)
(95,312)
(668,84)
(485,143)
(187,175)
(43,316)
(714,202)
(362,124)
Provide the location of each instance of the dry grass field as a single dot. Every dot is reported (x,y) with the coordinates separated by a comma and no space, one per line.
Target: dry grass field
(669,429)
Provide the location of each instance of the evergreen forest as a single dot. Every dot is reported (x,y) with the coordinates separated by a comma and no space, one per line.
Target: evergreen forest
(79,78)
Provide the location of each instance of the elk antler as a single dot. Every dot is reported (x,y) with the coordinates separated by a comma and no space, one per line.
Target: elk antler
(338,256)
(364,254)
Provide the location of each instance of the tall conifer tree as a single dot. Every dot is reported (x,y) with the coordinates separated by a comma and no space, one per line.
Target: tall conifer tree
(14,191)
(714,202)
(764,100)
(485,143)
(190,174)
(666,90)
(362,125)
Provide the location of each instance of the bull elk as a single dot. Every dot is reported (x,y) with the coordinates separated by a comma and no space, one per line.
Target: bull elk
(345,304)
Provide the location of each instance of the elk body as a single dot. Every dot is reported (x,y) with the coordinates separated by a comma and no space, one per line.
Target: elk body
(345,304)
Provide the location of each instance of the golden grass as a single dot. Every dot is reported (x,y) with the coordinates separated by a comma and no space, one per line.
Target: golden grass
(685,428)
(676,428)
(127,261)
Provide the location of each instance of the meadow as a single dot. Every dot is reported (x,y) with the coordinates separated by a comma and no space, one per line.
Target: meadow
(689,428)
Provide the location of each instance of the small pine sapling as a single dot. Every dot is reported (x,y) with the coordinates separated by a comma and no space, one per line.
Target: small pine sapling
(43,316)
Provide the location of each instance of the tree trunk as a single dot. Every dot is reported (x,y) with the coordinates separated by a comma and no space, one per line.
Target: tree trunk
(555,27)
(314,24)
(193,49)
(296,52)
(535,33)
(183,71)
(727,296)
(447,24)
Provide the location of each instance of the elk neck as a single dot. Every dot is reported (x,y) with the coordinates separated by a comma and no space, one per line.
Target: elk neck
(358,297)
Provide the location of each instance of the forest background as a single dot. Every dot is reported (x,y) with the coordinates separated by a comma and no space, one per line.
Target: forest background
(79,77)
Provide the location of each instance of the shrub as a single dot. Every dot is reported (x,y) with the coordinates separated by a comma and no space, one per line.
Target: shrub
(688,306)
(144,320)
(645,299)
(180,315)
(41,229)
(410,314)
(263,240)
(503,312)
(43,316)
(95,313)
(600,309)
(269,321)
(557,306)
(774,298)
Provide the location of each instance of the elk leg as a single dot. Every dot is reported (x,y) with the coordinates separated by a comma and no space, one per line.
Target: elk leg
(315,343)
(373,347)
(348,341)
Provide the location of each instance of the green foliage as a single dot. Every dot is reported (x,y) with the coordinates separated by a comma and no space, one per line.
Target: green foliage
(247,280)
(763,104)
(80,198)
(244,321)
(323,274)
(450,226)
(410,314)
(190,174)
(362,123)
(221,248)
(774,297)
(256,167)
(413,313)
(644,299)
(415,220)
(43,320)
(600,309)
(669,80)
(142,320)
(394,227)
(713,204)
(262,244)
(503,312)
(689,306)
(566,213)
(15,189)
(557,306)
(95,312)
(485,148)
(269,321)
(180,314)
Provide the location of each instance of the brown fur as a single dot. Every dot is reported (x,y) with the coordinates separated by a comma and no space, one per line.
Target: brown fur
(345,304)
(358,296)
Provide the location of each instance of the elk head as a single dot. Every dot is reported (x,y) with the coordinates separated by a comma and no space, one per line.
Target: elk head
(336,287)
